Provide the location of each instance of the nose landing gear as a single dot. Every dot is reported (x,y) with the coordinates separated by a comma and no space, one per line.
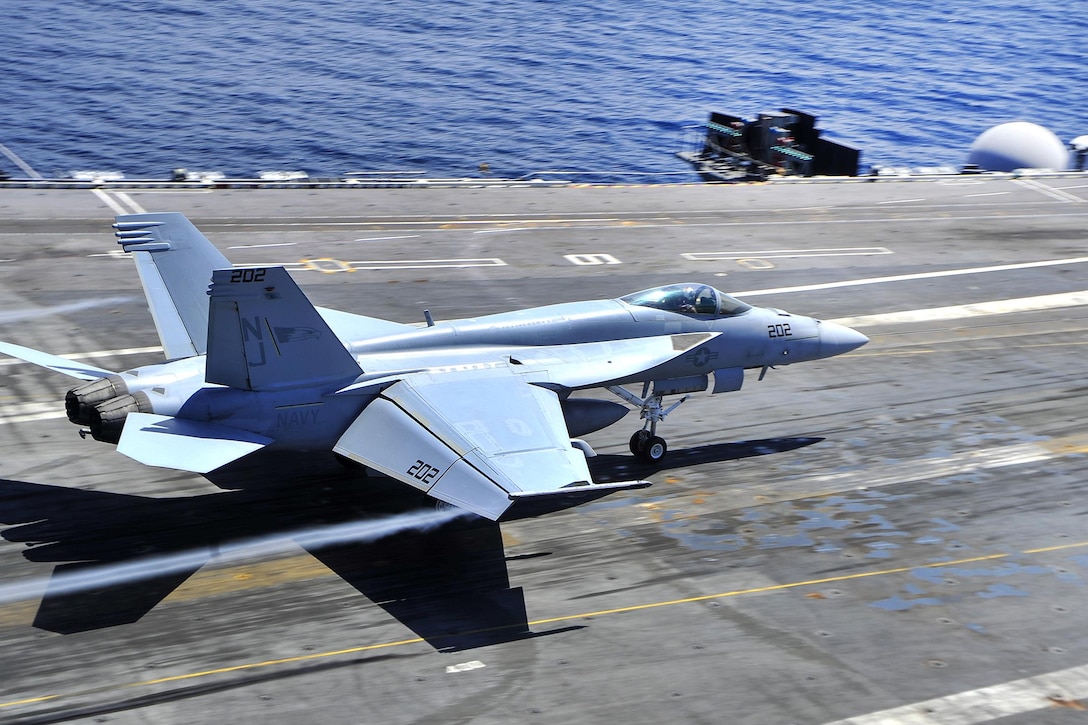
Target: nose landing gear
(646,444)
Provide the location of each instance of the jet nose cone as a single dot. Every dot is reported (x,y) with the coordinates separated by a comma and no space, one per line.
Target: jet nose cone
(835,339)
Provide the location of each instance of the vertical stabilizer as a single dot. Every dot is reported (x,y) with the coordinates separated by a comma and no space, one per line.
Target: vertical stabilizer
(175,262)
(264,334)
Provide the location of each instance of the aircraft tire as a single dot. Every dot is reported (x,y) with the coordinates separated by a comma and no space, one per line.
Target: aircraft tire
(654,449)
(637,440)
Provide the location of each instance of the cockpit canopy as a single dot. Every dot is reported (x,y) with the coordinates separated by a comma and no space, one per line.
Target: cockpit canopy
(699,299)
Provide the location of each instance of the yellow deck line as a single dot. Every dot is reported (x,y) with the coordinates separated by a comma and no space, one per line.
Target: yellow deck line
(538,622)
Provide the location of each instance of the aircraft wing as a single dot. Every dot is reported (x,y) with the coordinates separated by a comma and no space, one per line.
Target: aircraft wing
(579,365)
(593,364)
(479,439)
(175,263)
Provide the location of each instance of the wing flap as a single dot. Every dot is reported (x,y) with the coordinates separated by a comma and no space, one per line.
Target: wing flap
(477,439)
(186,445)
(177,341)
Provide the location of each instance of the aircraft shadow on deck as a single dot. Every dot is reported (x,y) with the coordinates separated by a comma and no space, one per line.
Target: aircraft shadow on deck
(449,584)
(610,467)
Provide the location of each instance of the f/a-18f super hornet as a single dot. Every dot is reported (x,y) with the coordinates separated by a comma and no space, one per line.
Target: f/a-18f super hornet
(477,413)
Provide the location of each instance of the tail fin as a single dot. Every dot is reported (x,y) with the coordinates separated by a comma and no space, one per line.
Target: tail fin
(263,333)
(175,262)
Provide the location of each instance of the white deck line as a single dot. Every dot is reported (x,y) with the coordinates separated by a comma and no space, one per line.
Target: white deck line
(1048,690)
(910,277)
(979,309)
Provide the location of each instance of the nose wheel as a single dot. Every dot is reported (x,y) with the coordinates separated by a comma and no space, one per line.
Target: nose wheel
(649,448)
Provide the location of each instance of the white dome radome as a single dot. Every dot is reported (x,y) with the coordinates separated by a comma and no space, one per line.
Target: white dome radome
(1018,145)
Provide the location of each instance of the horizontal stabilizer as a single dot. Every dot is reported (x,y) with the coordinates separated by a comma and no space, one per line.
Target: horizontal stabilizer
(185,445)
(573,490)
(538,503)
(54,362)
(477,439)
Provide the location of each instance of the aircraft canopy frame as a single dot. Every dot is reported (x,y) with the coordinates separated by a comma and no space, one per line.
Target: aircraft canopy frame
(694,298)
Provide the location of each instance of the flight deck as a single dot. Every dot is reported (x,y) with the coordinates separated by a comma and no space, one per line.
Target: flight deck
(893,535)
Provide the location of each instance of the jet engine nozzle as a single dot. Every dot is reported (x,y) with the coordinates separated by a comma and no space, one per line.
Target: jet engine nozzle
(106,420)
(80,401)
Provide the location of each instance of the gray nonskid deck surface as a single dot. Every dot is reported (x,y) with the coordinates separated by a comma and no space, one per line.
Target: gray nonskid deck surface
(901,525)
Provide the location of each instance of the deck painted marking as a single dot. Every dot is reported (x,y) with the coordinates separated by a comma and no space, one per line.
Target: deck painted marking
(980,309)
(591,260)
(109,201)
(117,204)
(1048,190)
(263,246)
(937,468)
(92,355)
(900,201)
(8,317)
(249,666)
(628,224)
(29,412)
(126,199)
(384,239)
(180,192)
(376,264)
(910,277)
(682,217)
(1063,688)
(754,263)
(328,265)
(786,253)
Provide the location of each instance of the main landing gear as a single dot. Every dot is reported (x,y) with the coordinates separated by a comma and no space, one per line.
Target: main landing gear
(646,444)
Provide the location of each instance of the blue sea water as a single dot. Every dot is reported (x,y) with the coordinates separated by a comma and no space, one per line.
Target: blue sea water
(602,88)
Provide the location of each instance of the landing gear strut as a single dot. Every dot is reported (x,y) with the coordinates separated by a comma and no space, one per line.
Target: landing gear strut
(645,443)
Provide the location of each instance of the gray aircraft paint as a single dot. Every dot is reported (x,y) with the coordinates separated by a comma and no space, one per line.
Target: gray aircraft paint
(474,412)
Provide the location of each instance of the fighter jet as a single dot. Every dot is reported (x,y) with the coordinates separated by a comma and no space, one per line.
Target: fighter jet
(477,413)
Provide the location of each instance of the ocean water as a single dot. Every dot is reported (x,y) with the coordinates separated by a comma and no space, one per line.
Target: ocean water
(600,91)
